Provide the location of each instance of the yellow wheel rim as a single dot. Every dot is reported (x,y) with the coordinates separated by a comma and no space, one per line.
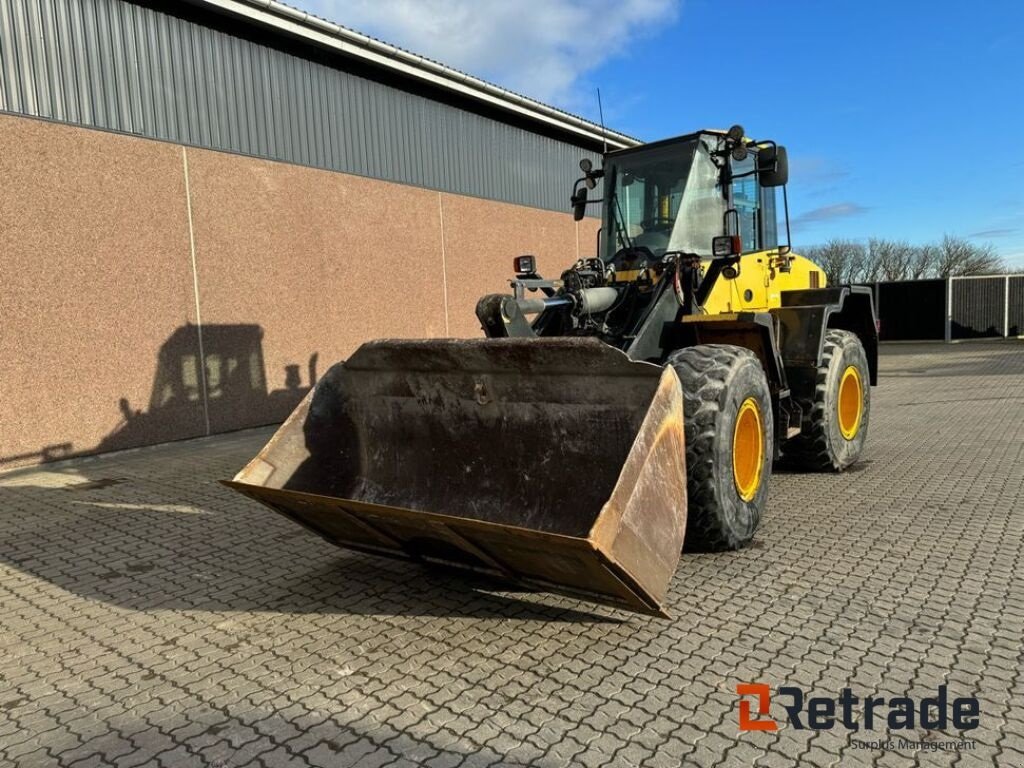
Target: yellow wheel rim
(850,405)
(748,449)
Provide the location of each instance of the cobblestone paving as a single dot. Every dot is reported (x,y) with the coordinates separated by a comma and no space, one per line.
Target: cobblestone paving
(152,617)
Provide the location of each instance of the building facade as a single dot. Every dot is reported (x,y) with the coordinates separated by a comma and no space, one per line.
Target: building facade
(203,205)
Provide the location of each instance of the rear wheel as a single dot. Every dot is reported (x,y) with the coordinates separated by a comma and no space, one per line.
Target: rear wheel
(729,443)
(837,413)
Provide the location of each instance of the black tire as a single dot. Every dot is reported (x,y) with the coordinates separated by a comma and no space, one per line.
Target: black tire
(717,380)
(822,444)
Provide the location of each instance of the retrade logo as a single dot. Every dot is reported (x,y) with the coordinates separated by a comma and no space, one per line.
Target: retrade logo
(821,713)
(764,697)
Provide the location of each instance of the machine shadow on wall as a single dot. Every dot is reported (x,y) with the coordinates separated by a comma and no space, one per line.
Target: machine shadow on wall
(237,393)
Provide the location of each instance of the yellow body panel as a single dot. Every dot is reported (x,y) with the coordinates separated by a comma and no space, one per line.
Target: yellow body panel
(760,283)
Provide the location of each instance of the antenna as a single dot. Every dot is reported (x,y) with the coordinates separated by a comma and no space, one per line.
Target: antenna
(604,132)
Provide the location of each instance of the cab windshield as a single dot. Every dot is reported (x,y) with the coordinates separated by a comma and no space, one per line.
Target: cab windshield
(665,199)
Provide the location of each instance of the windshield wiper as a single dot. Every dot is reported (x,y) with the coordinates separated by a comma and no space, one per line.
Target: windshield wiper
(620,223)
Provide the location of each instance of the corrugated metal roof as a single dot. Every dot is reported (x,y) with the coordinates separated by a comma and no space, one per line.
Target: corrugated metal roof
(313,29)
(130,68)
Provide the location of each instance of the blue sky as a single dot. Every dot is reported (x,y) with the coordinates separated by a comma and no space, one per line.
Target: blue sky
(902,118)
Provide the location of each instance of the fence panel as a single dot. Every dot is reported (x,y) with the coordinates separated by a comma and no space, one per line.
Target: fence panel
(1015,306)
(979,307)
(912,310)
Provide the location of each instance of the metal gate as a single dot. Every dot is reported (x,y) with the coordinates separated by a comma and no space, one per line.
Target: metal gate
(954,308)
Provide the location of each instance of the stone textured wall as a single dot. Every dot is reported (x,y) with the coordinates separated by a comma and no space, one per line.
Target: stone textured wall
(124,261)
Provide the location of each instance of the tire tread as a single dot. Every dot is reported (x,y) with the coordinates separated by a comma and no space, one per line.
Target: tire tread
(705,372)
(811,449)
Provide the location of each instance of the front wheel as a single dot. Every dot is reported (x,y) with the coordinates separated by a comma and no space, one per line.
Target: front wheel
(729,443)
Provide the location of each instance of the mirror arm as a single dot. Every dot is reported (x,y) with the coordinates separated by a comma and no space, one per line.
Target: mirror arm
(784,250)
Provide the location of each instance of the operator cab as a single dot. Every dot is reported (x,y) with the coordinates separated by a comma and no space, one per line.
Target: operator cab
(677,196)
(677,217)
(662,199)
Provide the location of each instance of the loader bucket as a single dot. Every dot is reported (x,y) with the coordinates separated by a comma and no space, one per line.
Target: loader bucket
(554,463)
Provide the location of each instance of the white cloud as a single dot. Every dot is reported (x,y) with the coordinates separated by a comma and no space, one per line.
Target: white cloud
(540,48)
(829,212)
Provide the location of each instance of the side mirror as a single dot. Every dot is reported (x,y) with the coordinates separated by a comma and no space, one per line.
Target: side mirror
(772,166)
(579,203)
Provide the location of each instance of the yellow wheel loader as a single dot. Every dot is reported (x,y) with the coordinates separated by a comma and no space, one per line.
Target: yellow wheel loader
(632,406)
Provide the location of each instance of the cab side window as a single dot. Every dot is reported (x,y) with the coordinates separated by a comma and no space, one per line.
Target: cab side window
(746,201)
(769,220)
(755,207)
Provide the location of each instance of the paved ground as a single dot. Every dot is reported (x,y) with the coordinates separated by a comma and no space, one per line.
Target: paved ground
(151,617)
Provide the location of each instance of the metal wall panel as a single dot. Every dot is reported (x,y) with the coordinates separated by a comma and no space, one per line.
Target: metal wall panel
(1015,308)
(123,67)
(911,310)
(978,307)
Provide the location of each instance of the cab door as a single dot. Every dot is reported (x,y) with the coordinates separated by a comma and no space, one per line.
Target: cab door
(752,288)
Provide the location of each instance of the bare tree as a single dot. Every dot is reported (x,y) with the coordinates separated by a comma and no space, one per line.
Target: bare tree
(871,266)
(847,261)
(924,262)
(840,260)
(893,259)
(958,256)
